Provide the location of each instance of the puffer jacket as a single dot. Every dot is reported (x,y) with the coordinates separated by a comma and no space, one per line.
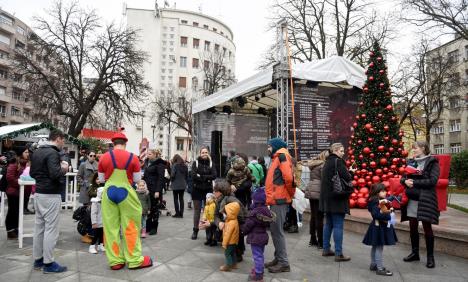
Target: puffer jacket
(203,173)
(312,190)
(231,226)
(46,170)
(96,214)
(154,175)
(279,183)
(329,202)
(256,225)
(12,176)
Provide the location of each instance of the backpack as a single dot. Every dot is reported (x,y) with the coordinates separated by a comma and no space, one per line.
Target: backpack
(3,180)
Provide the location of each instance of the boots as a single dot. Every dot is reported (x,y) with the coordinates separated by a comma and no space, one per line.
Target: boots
(143,233)
(12,235)
(154,228)
(430,252)
(189,204)
(195,234)
(414,256)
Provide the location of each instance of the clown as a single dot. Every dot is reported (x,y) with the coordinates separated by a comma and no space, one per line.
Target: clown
(121,209)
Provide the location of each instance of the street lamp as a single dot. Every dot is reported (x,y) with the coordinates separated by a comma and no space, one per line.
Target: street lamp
(153,127)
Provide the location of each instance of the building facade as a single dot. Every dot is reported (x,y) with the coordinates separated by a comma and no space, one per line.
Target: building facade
(180,46)
(450,134)
(15,108)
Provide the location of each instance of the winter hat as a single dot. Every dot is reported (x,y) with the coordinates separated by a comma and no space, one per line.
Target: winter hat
(119,135)
(238,163)
(209,196)
(259,196)
(277,143)
(98,197)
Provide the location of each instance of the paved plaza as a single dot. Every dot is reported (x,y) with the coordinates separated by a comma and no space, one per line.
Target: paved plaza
(177,258)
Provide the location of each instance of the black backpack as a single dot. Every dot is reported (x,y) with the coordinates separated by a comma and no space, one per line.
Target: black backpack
(3,181)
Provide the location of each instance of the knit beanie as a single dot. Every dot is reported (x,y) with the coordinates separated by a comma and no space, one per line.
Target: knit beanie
(276,144)
(259,196)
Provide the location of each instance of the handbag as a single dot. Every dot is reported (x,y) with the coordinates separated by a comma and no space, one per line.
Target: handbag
(340,187)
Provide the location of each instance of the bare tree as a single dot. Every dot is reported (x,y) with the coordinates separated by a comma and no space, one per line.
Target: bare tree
(451,14)
(426,80)
(317,29)
(174,109)
(216,73)
(72,47)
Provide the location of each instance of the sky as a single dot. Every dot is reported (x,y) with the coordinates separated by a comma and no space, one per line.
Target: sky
(248,20)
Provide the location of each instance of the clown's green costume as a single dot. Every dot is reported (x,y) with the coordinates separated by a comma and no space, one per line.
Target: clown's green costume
(121,217)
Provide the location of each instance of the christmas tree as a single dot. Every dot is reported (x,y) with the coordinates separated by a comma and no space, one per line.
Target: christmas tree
(376,149)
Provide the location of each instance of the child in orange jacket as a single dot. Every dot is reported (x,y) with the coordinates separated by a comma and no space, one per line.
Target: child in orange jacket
(230,235)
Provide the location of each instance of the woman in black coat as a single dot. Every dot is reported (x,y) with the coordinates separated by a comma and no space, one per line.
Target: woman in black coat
(422,205)
(179,175)
(334,206)
(203,173)
(154,177)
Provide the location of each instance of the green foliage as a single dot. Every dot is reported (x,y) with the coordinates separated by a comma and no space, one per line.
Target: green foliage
(94,144)
(459,168)
(376,147)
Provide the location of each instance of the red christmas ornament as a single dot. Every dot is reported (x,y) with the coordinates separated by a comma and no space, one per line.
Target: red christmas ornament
(394,118)
(376,179)
(365,89)
(364,165)
(354,182)
(363,116)
(348,163)
(381,148)
(357,117)
(372,130)
(355,177)
(359,142)
(371,65)
(366,150)
(386,138)
(368,126)
(371,54)
(400,134)
(401,170)
(382,85)
(404,153)
(361,182)
(393,167)
(364,190)
(391,149)
(371,78)
(386,128)
(383,161)
(371,155)
(352,136)
(390,174)
(369,183)
(379,59)
(361,157)
(394,142)
(361,203)
(387,154)
(395,160)
(384,177)
(403,161)
(361,103)
(376,103)
(379,115)
(355,124)
(381,72)
(368,178)
(385,169)
(352,203)
(378,171)
(373,164)
(389,107)
(370,139)
(363,171)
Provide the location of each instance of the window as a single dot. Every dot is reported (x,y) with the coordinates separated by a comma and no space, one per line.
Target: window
(214,29)
(160,143)
(207,45)
(164,42)
(15,111)
(170,78)
(194,83)
(163,84)
(222,33)
(184,21)
(164,57)
(439,149)
(4,55)
(206,64)
(190,146)
(163,77)
(5,39)
(3,74)
(438,128)
(455,80)
(205,26)
(172,58)
(466,52)
(26,114)
(454,102)
(171,43)
(165,27)
(16,96)
(455,148)
(164,35)
(183,41)
(206,84)
(3,110)
(180,144)
(21,30)
(4,19)
(2,91)
(196,43)
(216,47)
(172,28)
(453,56)
(183,62)
(161,92)
(172,35)
(182,82)
(224,52)
(164,49)
(455,125)
(170,70)
(195,63)
(19,44)
(195,24)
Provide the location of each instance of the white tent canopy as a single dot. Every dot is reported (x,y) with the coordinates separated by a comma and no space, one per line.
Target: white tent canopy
(334,70)
(7,129)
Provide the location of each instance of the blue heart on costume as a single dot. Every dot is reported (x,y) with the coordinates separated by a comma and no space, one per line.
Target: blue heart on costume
(116,194)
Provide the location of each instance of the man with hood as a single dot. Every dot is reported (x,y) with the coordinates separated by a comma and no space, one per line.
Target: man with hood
(280,189)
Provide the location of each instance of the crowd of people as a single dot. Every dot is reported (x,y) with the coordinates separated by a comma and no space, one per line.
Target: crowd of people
(125,197)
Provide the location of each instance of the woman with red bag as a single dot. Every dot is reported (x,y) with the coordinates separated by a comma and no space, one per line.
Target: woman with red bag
(422,205)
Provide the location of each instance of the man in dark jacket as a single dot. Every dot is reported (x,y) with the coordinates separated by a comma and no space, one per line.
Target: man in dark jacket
(47,170)
(334,206)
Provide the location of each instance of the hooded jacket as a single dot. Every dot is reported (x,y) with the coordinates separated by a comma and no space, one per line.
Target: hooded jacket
(279,183)
(258,220)
(312,190)
(231,226)
(154,175)
(46,169)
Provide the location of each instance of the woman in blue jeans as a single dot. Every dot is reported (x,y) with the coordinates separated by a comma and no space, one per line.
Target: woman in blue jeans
(334,206)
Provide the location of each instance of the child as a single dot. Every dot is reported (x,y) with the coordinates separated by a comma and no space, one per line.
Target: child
(96,221)
(230,235)
(238,173)
(380,232)
(208,216)
(256,229)
(143,196)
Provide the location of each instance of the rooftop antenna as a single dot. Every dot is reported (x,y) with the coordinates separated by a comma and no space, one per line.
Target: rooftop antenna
(166,4)
(156,9)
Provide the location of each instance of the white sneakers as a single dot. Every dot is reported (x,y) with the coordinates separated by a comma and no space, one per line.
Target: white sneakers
(92,249)
(101,248)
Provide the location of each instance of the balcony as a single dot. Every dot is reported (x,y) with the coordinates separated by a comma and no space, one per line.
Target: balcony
(5,98)
(7,28)
(6,62)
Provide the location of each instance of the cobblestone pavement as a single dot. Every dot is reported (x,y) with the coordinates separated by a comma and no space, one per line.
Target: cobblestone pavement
(177,258)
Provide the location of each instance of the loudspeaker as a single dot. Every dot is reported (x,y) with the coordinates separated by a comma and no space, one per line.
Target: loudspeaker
(216,143)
